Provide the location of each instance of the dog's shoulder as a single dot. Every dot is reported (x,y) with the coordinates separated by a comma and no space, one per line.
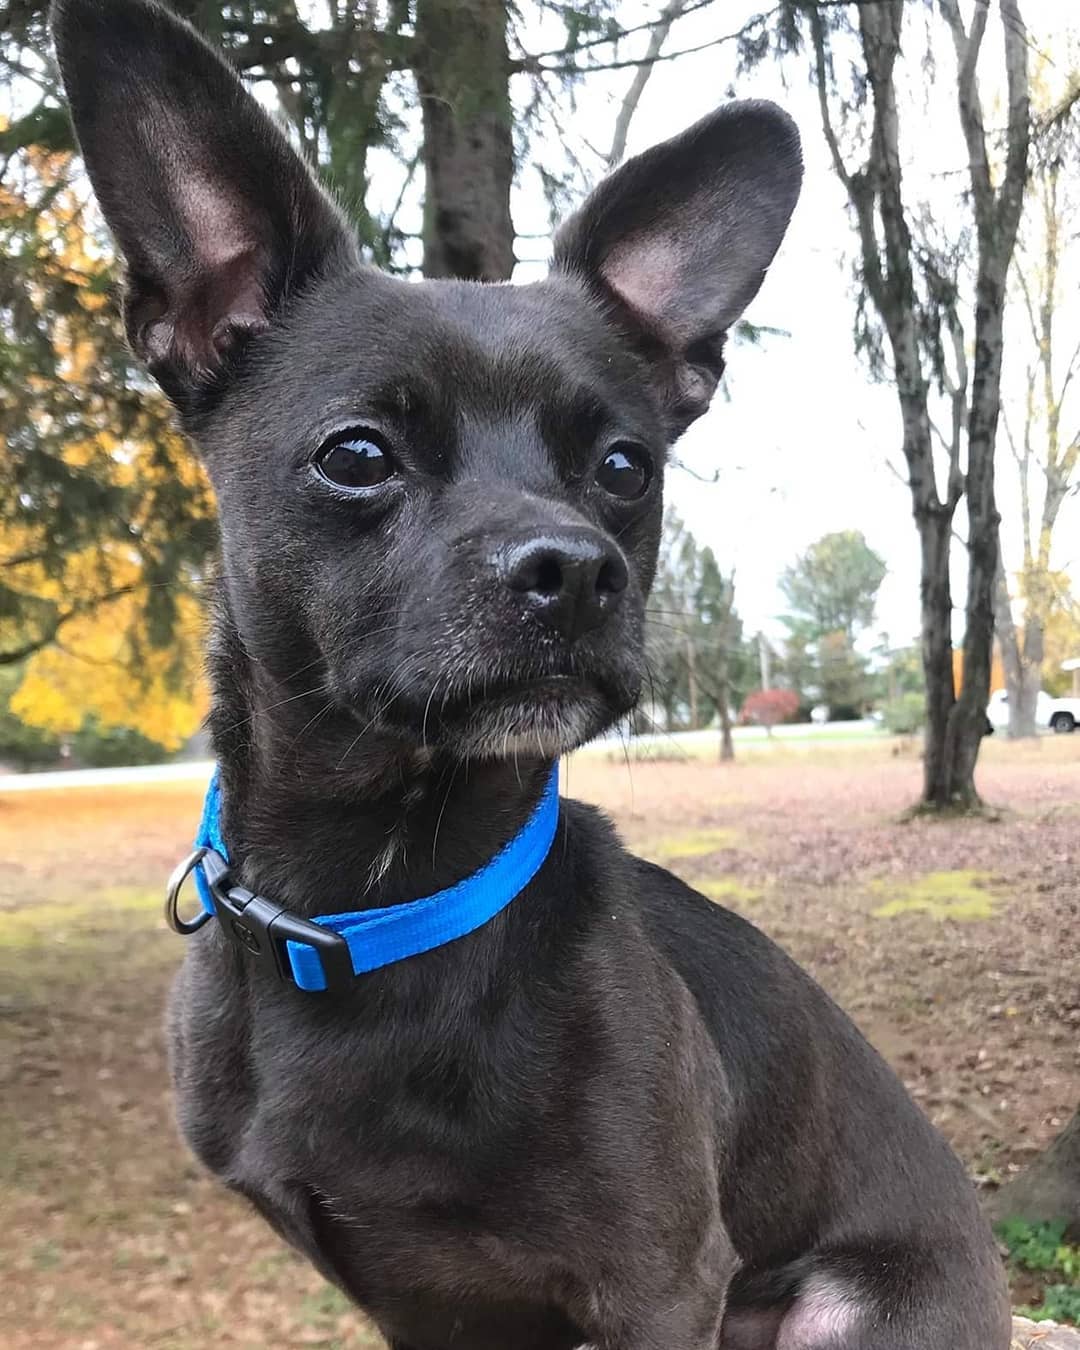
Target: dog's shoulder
(752,996)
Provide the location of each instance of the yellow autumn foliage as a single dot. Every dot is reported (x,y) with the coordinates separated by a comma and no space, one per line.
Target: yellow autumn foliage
(1062,643)
(90,598)
(95,673)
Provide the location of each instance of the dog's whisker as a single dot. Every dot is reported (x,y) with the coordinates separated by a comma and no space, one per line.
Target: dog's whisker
(427,709)
(442,812)
(271,707)
(308,725)
(382,708)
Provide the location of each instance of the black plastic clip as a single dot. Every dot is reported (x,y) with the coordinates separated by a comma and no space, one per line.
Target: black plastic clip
(260,928)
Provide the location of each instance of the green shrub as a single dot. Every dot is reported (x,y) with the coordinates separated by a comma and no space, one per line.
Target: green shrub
(1061,1303)
(108,747)
(905,715)
(1041,1247)
(21,746)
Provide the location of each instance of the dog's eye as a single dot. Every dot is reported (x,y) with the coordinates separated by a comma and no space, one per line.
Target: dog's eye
(355,461)
(625,471)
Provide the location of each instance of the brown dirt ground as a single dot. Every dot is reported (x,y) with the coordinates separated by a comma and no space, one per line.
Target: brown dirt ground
(969,983)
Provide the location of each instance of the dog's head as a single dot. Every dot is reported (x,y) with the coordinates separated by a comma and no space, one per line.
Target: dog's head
(443,497)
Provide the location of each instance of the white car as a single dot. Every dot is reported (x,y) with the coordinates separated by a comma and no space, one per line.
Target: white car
(1056,714)
(1063,714)
(997,710)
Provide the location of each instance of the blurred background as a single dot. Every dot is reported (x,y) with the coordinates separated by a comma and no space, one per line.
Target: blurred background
(870,561)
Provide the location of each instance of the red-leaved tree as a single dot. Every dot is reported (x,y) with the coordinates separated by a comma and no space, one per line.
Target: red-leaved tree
(769,707)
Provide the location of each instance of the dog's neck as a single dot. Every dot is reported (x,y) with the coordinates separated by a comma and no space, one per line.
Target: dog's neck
(323,814)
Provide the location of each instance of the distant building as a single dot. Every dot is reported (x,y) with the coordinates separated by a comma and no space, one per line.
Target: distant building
(997,670)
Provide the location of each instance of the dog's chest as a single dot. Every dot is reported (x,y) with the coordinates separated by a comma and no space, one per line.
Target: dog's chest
(428,1210)
(420,1256)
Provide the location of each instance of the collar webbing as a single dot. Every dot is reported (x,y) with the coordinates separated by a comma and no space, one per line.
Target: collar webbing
(373,937)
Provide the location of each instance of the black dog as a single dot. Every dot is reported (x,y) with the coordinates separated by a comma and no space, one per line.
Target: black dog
(615,1114)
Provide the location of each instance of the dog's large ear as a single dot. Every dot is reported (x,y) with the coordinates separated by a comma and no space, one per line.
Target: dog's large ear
(217,217)
(676,242)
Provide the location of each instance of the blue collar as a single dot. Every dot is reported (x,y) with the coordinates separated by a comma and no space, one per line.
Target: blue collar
(329,951)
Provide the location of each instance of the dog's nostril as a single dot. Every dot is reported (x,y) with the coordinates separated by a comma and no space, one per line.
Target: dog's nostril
(548,579)
(572,579)
(611,578)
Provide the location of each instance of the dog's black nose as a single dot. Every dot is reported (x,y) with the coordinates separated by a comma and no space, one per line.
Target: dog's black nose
(572,578)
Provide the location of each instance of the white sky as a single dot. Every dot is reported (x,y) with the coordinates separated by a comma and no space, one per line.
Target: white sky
(803,443)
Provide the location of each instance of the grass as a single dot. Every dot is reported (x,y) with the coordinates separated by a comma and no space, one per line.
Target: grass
(112,1236)
(794,742)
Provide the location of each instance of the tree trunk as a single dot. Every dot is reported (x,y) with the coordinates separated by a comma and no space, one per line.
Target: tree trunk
(691,682)
(723,707)
(352,123)
(967,721)
(876,194)
(1050,1188)
(997,216)
(1034,653)
(727,740)
(935,537)
(1022,676)
(462,71)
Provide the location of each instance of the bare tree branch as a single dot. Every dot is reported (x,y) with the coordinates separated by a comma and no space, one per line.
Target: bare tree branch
(1011,194)
(968,46)
(13,655)
(1070,371)
(610,39)
(821,81)
(714,477)
(531,66)
(660,30)
(1059,115)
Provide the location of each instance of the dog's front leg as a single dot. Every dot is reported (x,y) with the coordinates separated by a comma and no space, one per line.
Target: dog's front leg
(682,1312)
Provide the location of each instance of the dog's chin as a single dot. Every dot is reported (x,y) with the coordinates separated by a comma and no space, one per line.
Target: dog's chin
(547,717)
(518,725)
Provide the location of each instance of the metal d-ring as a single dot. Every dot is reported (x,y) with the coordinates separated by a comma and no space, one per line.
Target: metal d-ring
(172,896)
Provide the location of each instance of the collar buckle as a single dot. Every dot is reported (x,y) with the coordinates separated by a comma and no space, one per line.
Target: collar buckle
(260,928)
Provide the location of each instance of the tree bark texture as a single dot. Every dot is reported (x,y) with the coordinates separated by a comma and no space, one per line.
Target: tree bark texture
(727,740)
(462,69)
(1049,1190)
(1022,678)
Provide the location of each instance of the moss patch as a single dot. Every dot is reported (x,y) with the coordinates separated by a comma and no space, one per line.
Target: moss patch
(728,891)
(961,895)
(61,921)
(695,844)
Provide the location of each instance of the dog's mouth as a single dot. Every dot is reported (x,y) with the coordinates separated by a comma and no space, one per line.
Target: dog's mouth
(534,689)
(501,715)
